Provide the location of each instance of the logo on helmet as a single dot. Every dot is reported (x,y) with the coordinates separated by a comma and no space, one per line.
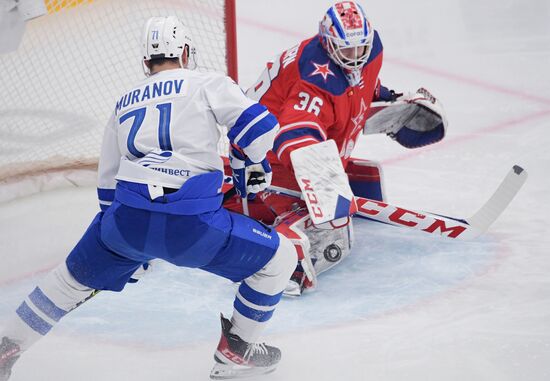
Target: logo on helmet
(349,14)
(354,34)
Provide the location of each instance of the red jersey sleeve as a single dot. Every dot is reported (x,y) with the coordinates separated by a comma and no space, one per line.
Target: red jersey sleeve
(305,117)
(376,94)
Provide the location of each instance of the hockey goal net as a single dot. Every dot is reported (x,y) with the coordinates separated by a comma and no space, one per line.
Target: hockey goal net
(58,89)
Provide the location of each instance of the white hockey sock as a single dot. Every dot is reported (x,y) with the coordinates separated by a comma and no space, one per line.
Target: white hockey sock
(53,298)
(259,294)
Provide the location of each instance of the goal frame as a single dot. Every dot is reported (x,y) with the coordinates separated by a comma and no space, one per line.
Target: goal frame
(231,39)
(51,174)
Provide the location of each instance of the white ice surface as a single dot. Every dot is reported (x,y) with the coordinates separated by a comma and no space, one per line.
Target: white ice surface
(404,306)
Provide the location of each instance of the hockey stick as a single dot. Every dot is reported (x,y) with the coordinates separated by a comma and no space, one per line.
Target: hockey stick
(230,194)
(451,227)
(233,191)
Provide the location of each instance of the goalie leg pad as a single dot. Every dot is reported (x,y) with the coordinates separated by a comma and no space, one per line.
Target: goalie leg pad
(319,247)
(325,188)
(365,179)
(329,247)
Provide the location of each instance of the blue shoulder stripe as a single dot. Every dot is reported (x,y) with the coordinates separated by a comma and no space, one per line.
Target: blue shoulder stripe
(314,53)
(296,133)
(251,124)
(376,47)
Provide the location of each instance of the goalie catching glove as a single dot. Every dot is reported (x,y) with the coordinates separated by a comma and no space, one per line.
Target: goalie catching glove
(248,177)
(413,120)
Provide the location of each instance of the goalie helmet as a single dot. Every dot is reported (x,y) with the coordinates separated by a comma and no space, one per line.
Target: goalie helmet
(166,37)
(347,35)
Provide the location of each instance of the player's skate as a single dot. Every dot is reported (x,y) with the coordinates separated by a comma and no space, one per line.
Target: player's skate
(235,358)
(9,353)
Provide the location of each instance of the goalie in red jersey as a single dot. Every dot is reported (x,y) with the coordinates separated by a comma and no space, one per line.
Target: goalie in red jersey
(322,91)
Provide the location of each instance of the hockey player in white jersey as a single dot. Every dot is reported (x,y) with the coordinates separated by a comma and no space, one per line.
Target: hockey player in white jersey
(160,180)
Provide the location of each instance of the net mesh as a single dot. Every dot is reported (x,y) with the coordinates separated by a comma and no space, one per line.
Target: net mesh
(60,86)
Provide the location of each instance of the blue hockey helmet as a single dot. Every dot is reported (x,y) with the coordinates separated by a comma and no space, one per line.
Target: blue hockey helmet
(347,34)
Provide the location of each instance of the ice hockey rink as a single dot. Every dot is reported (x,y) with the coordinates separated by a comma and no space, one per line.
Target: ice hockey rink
(405,305)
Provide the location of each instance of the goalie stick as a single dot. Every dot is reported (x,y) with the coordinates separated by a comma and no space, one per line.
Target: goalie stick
(432,223)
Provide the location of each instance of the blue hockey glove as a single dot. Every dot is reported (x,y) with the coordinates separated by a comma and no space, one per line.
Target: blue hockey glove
(248,177)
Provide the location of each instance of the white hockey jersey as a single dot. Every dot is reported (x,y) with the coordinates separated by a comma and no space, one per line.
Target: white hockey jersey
(164,130)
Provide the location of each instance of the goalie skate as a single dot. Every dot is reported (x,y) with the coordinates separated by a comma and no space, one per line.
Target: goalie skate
(235,358)
(9,353)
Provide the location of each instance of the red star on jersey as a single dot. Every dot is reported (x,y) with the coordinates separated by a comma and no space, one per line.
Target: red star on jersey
(323,70)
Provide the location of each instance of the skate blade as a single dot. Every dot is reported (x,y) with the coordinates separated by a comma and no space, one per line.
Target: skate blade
(227,372)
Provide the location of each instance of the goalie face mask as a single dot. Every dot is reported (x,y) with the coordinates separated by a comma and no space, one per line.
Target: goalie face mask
(347,35)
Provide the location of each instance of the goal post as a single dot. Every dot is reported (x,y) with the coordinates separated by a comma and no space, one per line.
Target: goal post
(59,87)
(231,39)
